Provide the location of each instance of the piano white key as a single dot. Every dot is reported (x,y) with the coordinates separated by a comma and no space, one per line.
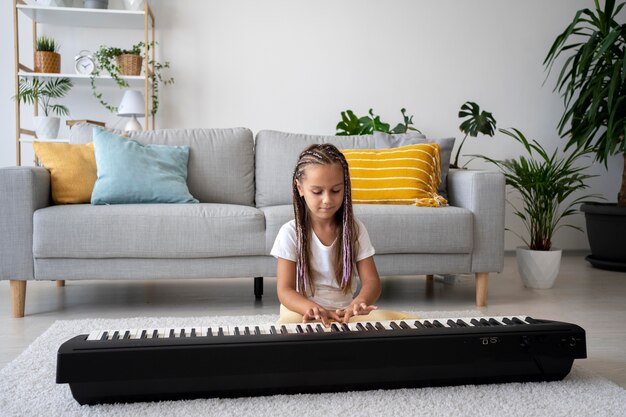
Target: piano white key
(94,335)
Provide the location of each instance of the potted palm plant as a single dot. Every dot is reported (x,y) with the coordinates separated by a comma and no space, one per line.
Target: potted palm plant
(546,184)
(592,82)
(42,92)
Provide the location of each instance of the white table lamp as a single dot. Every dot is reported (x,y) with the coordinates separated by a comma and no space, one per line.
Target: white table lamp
(132,106)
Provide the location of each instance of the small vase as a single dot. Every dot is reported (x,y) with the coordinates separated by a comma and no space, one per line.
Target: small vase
(47,62)
(47,127)
(538,268)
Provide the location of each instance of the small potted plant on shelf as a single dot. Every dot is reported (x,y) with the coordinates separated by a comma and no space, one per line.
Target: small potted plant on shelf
(47,59)
(127,62)
(592,52)
(34,90)
(546,184)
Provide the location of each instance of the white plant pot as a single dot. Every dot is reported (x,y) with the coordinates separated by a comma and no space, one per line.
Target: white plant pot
(47,127)
(537,268)
(136,5)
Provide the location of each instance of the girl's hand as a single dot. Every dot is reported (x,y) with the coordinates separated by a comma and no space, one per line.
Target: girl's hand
(355,309)
(318,313)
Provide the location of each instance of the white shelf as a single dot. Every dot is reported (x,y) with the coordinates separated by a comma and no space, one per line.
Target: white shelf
(31,140)
(81,78)
(80,17)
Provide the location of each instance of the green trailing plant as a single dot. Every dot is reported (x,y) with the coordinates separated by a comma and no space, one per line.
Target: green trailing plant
(592,82)
(475,122)
(46,44)
(106,61)
(351,124)
(545,183)
(34,90)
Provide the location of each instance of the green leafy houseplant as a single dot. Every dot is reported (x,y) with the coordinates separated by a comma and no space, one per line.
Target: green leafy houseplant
(106,59)
(545,182)
(592,82)
(46,44)
(476,122)
(351,124)
(31,90)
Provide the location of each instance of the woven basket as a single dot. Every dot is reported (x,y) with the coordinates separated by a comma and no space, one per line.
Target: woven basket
(129,64)
(49,62)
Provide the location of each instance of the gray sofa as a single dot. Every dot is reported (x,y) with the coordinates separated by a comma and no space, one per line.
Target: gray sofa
(244,189)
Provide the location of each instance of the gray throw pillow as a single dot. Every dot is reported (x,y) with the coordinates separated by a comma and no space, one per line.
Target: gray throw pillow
(385,141)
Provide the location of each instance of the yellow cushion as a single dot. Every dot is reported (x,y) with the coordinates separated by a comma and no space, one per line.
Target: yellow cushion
(405,175)
(72,170)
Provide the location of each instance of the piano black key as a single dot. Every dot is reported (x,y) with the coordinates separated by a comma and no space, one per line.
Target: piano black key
(319,328)
(508,321)
(476,323)
(517,321)
(428,324)
(182,333)
(220,332)
(105,336)
(172,334)
(461,323)
(309,329)
(379,326)
(360,327)
(299,329)
(334,328)
(236,331)
(283,330)
(532,320)
(419,324)
(370,327)
(273,330)
(345,327)
(404,325)
(484,322)
(155,334)
(437,323)
(246,331)
(209,332)
(116,335)
(193,332)
(451,323)
(257,330)
(394,325)
(126,334)
(144,334)
(494,322)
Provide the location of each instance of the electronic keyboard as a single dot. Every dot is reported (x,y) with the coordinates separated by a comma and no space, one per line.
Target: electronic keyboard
(128,365)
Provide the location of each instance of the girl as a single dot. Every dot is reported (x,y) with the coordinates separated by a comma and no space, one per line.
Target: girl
(320,252)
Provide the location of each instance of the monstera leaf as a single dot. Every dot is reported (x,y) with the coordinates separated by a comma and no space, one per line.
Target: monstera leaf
(476,122)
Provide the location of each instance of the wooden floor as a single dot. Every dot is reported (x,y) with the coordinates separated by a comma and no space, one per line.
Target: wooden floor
(594,299)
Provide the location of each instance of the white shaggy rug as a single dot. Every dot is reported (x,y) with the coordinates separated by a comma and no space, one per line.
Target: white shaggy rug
(28,388)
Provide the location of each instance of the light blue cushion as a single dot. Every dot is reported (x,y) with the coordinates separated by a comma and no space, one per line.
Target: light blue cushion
(129,172)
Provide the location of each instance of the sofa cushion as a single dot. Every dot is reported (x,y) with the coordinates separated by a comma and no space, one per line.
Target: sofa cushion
(72,170)
(397,229)
(148,231)
(276,157)
(405,175)
(129,172)
(221,161)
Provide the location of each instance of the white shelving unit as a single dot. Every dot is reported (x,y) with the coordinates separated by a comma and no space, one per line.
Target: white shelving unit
(79,17)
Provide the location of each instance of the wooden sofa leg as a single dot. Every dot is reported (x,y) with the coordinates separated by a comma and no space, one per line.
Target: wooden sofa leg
(18,297)
(429,277)
(60,283)
(258,287)
(482,280)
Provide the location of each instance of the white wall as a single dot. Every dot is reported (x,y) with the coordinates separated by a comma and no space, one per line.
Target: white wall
(295,65)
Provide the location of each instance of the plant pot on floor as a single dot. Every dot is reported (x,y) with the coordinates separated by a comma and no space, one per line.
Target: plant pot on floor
(606,231)
(47,127)
(538,268)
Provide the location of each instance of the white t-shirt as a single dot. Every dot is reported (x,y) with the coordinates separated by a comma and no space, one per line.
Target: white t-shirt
(328,293)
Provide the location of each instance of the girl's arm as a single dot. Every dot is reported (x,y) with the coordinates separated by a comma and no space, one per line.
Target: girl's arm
(370,290)
(293,300)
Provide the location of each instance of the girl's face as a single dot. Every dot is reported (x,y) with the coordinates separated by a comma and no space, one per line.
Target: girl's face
(322,189)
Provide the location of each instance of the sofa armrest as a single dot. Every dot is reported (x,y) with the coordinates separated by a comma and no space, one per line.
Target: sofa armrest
(483,193)
(22,191)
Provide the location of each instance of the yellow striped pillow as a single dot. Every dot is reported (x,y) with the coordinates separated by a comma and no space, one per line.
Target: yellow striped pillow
(405,175)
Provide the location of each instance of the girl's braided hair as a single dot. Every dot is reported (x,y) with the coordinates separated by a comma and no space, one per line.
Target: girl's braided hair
(347,246)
